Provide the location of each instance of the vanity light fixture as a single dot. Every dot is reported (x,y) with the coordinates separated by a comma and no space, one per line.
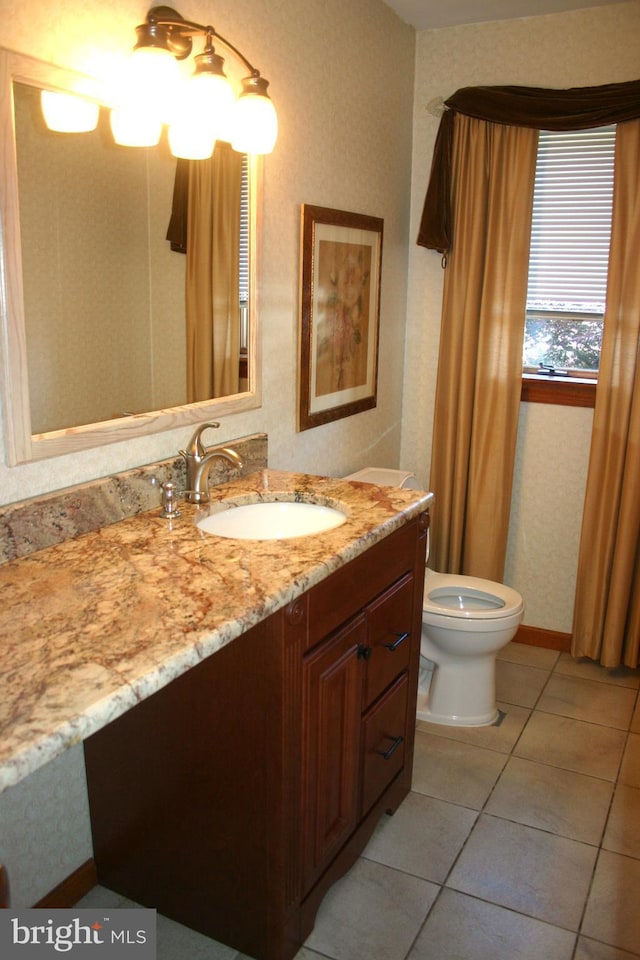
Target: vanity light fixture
(198,110)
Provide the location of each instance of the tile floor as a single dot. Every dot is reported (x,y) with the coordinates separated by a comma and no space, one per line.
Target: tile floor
(519,841)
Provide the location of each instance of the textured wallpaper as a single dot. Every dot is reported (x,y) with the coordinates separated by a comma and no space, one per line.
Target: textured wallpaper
(45,833)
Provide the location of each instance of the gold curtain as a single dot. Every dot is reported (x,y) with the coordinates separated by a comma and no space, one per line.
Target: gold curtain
(606,622)
(212,303)
(480,361)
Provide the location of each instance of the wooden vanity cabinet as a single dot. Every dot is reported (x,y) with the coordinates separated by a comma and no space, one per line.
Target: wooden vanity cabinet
(234,797)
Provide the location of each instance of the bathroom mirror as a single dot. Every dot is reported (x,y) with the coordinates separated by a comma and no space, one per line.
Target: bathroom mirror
(46,352)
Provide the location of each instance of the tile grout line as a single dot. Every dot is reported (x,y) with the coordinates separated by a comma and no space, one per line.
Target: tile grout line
(599,845)
(511,754)
(484,805)
(483,811)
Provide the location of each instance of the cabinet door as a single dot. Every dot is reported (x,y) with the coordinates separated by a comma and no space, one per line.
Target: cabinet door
(333,676)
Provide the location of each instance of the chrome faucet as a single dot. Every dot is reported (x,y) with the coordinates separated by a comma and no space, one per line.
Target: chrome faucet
(199,460)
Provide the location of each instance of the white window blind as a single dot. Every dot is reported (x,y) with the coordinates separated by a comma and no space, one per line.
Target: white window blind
(244,232)
(571,221)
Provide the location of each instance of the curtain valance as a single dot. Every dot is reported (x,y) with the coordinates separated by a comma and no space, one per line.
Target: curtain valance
(578,108)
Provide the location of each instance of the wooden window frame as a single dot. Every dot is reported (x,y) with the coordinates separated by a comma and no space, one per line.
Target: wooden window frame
(570,391)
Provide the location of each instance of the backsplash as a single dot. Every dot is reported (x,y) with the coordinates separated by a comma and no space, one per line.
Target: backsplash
(40,522)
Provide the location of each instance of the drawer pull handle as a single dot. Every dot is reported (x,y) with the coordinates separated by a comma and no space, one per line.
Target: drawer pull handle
(394,644)
(392,749)
(364,652)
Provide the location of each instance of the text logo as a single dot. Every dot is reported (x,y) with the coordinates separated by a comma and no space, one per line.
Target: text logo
(80,934)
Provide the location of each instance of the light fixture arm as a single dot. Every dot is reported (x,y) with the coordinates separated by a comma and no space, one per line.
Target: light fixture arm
(164,26)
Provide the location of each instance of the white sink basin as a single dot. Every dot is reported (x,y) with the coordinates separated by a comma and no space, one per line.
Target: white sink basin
(272,520)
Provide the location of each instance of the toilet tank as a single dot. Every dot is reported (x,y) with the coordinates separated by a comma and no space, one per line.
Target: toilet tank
(386,478)
(389,478)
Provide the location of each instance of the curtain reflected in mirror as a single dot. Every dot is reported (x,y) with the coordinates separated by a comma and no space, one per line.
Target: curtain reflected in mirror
(213,275)
(104,294)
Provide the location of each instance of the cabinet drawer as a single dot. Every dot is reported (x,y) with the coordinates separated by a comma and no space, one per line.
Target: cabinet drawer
(389,637)
(334,600)
(384,742)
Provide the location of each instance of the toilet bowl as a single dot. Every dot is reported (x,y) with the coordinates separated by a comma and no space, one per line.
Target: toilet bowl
(465,622)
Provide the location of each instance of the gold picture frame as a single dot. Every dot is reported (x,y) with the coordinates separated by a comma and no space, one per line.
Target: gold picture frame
(341,262)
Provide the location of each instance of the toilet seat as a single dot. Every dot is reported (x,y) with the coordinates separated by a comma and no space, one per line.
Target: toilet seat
(468,598)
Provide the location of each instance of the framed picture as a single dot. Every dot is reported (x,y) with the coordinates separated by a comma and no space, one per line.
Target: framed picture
(339,316)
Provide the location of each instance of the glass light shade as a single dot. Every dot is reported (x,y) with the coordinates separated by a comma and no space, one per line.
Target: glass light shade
(67,113)
(152,78)
(133,126)
(190,141)
(255,124)
(210,100)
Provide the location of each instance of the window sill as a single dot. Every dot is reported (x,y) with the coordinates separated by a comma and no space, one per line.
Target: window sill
(563,391)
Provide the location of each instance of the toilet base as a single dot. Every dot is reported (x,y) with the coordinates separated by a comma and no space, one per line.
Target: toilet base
(459,693)
(487,720)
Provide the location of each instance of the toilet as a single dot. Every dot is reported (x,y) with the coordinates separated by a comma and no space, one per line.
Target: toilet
(465,622)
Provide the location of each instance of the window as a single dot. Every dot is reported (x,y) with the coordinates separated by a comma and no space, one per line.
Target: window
(569,255)
(244,257)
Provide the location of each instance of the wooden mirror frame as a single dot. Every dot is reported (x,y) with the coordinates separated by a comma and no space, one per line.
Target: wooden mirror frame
(21,445)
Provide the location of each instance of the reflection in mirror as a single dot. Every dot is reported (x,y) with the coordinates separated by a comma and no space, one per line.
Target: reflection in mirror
(103,293)
(97,344)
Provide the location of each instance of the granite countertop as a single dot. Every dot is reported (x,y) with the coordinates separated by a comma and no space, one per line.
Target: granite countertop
(91,626)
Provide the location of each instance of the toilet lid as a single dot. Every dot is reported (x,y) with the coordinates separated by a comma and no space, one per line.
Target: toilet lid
(469,597)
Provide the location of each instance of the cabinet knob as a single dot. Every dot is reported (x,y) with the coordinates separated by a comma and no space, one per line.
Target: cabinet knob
(364,652)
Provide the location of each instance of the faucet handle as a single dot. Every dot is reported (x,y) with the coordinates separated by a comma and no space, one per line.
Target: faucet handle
(195,447)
